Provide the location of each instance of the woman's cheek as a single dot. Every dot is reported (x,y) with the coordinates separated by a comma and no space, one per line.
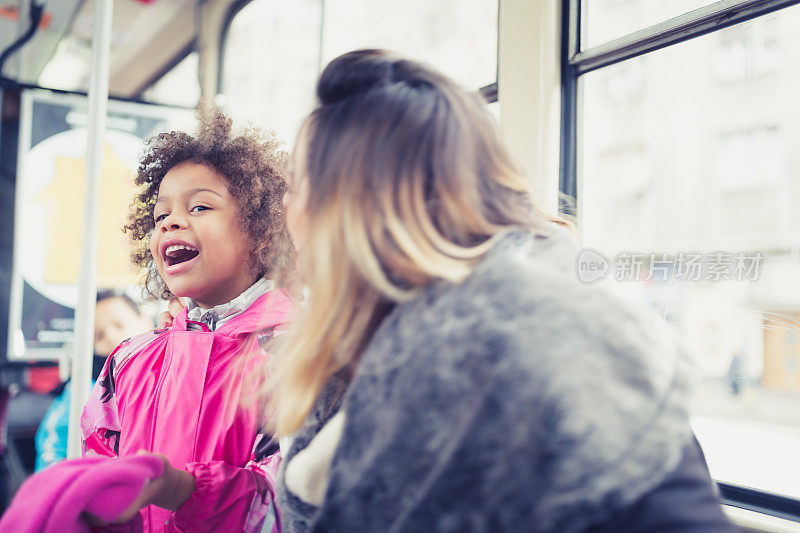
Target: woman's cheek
(294,223)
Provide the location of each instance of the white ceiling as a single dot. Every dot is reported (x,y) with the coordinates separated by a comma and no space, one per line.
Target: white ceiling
(146,38)
(26,63)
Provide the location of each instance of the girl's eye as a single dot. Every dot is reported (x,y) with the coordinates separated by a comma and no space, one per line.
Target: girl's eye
(198,208)
(161,217)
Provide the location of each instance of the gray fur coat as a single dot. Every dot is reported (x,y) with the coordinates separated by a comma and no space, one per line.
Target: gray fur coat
(518,400)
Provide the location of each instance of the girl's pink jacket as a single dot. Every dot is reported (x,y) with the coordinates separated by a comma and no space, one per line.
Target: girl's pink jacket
(187,395)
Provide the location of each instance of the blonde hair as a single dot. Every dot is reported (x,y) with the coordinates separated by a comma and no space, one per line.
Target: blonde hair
(408,183)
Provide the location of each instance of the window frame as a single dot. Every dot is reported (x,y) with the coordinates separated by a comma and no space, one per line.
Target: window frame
(575,63)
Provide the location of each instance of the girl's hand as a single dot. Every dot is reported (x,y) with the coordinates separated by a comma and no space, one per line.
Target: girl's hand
(168,491)
(174,309)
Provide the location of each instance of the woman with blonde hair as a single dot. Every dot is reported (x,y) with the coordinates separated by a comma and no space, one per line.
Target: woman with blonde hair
(449,372)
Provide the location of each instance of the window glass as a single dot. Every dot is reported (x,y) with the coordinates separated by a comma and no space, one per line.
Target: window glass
(271,63)
(69,67)
(459,37)
(494,110)
(180,86)
(275,49)
(606,20)
(689,189)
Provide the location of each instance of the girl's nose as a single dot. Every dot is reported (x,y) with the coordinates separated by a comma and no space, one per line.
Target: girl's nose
(174,221)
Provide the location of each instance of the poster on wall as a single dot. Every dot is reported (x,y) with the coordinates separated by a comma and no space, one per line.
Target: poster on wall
(49,209)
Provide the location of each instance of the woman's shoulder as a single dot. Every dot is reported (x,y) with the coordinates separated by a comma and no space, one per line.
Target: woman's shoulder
(535,274)
(530,353)
(524,313)
(526,290)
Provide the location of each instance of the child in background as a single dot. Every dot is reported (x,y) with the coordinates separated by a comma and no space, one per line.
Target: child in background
(117,317)
(209,227)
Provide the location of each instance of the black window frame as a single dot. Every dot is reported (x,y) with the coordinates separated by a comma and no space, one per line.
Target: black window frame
(576,62)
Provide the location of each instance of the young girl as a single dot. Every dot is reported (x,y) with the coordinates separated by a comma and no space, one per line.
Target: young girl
(210,228)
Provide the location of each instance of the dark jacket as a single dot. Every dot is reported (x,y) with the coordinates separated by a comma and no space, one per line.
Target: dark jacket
(517,400)
(682,502)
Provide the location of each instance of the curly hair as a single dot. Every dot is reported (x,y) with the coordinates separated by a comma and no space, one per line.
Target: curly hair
(252,163)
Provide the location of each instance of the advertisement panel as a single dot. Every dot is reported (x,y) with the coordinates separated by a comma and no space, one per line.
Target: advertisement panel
(49,207)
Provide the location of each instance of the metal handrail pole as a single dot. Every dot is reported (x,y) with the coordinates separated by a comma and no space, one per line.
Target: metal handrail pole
(87,285)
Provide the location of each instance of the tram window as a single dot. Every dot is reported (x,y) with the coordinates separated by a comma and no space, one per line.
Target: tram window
(68,69)
(179,86)
(606,20)
(688,154)
(494,110)
(747,52)
(270,63)
(275,49)
(458,37)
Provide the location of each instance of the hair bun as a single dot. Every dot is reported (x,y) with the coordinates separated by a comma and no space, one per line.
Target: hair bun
(355,73)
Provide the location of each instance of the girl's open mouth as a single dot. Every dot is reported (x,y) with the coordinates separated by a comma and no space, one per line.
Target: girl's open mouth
(179,253)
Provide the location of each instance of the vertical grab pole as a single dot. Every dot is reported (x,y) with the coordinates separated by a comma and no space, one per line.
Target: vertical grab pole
(87,284)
